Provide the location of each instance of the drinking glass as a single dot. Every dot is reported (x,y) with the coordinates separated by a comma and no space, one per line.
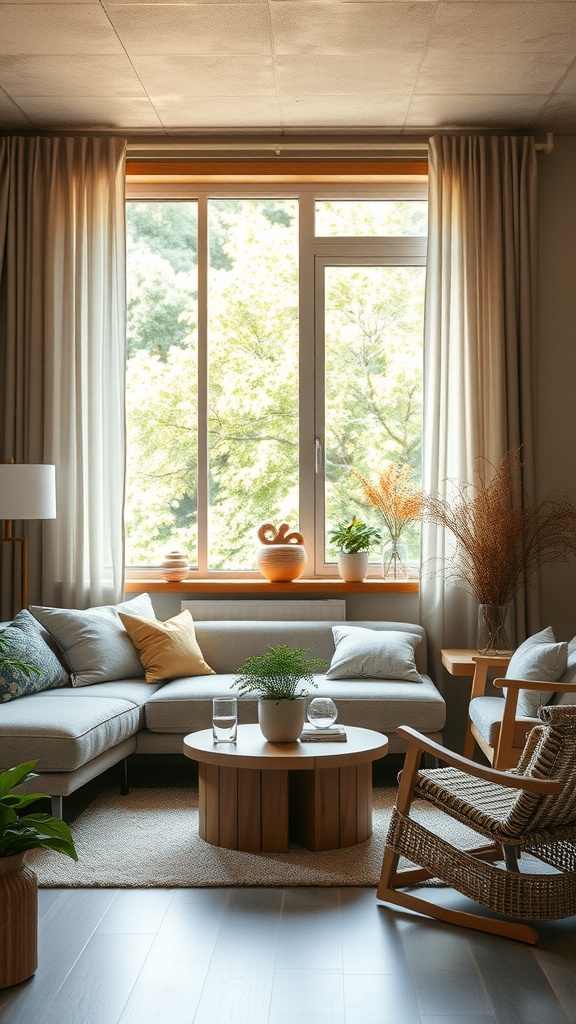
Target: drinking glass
(224,719)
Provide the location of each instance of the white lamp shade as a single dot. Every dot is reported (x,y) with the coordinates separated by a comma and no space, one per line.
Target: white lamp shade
(27,492)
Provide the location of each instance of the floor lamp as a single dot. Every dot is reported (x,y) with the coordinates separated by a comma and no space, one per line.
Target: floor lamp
(26,492)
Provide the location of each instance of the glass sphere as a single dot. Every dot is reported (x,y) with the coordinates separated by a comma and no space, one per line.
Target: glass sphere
(322,712)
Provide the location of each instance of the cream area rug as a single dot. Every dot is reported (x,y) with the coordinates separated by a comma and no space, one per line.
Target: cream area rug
(149,839)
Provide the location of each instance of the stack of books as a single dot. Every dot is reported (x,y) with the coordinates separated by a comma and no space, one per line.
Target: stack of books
(330,733)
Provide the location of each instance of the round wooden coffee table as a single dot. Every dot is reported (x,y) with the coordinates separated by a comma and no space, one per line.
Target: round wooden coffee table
(257,796)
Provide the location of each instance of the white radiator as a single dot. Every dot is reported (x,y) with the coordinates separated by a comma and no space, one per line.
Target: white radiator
(329,610)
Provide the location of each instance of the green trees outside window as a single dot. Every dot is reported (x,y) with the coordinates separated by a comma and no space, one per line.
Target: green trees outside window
(219,393)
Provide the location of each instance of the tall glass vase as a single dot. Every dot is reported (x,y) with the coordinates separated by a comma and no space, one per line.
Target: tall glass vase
(492,634)
(394,559)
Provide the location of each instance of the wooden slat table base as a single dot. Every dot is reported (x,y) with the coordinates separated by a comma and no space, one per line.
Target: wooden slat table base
(243,809)
(331,808)
(320,798)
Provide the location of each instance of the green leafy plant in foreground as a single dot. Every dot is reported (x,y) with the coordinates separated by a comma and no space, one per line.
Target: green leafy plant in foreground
(355,536)
(18,832)
(283,673)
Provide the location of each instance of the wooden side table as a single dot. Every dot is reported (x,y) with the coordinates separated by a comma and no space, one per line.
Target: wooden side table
(465,661)
(256,796)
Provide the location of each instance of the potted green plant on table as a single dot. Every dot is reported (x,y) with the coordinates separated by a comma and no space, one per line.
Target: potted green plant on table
(281,679)
(354,540)
(18,883)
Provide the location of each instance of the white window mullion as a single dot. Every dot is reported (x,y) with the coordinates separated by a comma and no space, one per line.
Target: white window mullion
(320,418)
(203,256)
(307,476)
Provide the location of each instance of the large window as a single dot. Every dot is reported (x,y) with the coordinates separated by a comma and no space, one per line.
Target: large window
(274,345)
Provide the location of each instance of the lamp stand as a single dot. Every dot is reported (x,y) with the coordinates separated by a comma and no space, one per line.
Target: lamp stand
(9,538)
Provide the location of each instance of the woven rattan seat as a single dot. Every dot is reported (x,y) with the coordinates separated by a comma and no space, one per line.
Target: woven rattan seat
(529,811)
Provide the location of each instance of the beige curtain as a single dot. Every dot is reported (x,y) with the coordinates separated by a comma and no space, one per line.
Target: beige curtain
(479,345)
(62,339)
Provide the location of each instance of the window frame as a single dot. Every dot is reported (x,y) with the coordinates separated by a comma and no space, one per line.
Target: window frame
(315,252)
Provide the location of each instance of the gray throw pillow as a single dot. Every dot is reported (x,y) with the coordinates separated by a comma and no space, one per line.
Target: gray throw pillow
(374,654)
(95,643)
(569,675)
(22,641)
(539,657)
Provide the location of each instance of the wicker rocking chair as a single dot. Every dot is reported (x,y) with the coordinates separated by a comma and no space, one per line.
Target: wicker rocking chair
(530,810)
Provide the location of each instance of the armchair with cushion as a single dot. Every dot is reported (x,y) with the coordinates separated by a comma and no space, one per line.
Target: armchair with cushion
(531,811)
(540,671)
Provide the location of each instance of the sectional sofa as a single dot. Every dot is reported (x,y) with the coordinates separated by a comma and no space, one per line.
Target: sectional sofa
(80,727)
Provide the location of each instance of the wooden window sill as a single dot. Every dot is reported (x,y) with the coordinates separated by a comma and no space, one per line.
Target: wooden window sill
(263,587)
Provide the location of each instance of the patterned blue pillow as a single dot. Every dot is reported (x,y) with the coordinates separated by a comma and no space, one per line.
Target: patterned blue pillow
(25,643)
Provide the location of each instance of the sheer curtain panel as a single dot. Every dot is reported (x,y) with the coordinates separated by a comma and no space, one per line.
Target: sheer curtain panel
(479,342)
(62,338)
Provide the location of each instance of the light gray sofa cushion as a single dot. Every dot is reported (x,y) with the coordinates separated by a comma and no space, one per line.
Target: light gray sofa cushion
(64,728)
(95,643)
(486,714)
(373,654)
(372,703)
(226,645)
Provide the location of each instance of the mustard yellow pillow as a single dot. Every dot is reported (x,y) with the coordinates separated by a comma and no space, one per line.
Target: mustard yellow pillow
(168,649)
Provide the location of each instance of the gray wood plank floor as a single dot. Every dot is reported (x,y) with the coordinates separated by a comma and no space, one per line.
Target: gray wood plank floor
(280,956)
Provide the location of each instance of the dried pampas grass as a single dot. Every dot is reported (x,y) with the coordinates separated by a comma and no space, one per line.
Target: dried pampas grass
(500,544)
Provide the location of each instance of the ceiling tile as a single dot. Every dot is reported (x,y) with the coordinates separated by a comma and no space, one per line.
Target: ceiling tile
(56,28)
(490,73)
(103,75)
(11,116)
(350,28)
(382,110)
(165,3)
(569,83)
(223,112)
(559,115)
(475,111)
(515,27)
(196,28)
(90,112)
(21,3)
(359,73)
(173,77)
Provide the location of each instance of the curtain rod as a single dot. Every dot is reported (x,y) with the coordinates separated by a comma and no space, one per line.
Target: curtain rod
(189,149)
(174,149)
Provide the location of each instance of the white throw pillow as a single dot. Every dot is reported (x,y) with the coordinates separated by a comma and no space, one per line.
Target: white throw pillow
(569,675)
(95,643)
(539,657)
(374,654)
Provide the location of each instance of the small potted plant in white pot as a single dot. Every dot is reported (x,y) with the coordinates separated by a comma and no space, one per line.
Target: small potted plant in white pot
(354,540)
(281,679)
(18,883)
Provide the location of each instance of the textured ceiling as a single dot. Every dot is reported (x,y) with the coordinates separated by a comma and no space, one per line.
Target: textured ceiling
(284,66)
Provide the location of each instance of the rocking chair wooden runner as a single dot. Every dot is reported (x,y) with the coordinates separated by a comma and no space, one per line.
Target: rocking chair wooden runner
(530,810)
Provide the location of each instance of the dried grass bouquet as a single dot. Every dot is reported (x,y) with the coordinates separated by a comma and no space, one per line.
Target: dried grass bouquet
(398,501)
(499,543)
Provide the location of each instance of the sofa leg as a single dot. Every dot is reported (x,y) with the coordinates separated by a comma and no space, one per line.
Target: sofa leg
(124,781)
(56,806)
